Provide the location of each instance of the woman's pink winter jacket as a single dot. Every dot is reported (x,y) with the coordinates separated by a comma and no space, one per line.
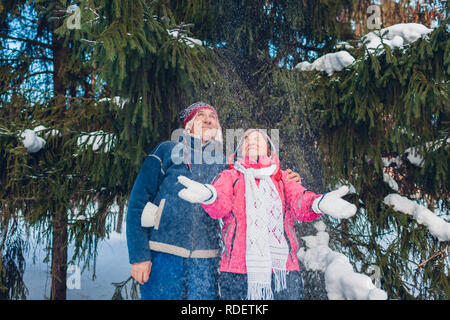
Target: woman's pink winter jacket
(230,206)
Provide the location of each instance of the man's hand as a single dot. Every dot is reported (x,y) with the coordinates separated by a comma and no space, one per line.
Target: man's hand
(293,176)
(140,271)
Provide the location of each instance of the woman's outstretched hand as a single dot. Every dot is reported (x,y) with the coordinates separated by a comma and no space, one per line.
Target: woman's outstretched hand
(332,204)
(196,192)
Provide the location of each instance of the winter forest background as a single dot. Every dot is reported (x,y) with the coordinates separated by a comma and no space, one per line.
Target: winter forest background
(359,91)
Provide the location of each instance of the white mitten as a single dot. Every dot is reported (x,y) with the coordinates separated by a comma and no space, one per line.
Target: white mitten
(196,192)
(152,214)
(332,204)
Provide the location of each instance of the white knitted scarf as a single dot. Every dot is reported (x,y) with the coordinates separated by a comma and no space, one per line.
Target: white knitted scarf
(267,249)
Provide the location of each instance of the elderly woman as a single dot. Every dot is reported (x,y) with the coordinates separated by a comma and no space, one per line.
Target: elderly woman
(259,206)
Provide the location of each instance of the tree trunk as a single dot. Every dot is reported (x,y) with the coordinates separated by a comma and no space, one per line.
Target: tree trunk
(59,223)
(59,256)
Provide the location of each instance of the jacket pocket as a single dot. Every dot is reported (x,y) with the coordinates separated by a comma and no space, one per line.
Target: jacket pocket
(158,213)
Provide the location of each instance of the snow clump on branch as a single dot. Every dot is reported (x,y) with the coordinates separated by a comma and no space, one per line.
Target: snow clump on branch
(341,282)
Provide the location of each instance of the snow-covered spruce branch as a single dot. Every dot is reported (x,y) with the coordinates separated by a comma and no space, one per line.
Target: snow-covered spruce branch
(117,100)
(341,281)
(6,132)
(395,36)
(179,34)
(413,155)
(390,181)
(329,63)
(437,226)
(90,41)
(96,139)
(32,141)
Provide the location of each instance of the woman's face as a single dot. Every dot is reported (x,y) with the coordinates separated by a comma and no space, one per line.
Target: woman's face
(254,145)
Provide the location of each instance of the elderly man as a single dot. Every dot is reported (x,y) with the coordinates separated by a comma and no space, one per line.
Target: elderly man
(173,245)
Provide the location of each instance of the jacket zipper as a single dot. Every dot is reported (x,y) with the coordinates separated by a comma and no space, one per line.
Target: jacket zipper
(234,235)
(294,236)
(224,240)
(235,226)
(284,222)
(194,222)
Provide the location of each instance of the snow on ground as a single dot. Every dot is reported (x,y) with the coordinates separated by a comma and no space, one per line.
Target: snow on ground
(341,282)
(112,266)
(437,226)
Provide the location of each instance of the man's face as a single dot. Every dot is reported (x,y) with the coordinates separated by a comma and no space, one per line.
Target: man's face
(205,125)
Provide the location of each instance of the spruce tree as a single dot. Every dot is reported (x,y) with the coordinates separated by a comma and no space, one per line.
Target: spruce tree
(389,105)
(120,79)
(64,75)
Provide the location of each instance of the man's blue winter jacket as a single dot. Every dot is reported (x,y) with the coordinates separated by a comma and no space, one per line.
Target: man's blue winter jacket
(184,229)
